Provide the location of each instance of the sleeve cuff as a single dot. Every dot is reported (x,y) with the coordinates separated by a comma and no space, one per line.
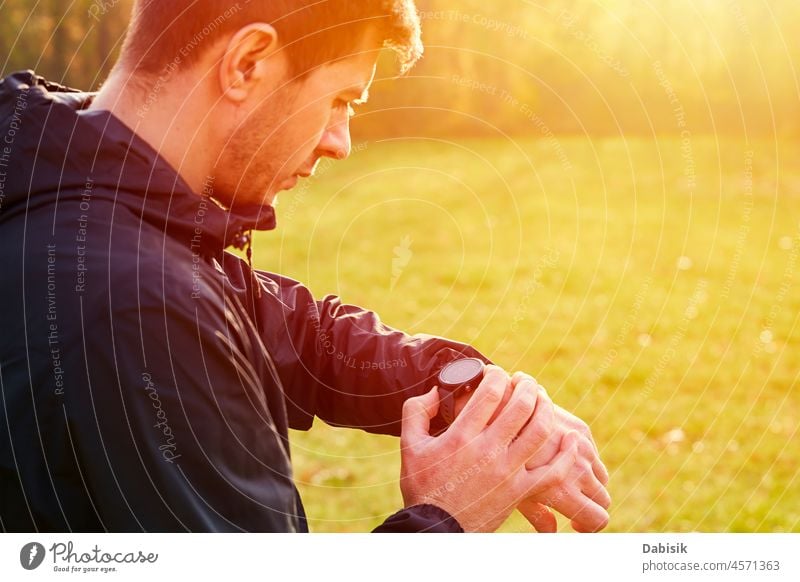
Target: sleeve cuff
(420,519)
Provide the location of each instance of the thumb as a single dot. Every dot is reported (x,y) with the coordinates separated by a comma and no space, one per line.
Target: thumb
(417,415)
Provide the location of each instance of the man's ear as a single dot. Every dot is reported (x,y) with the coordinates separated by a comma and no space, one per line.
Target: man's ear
(245,62)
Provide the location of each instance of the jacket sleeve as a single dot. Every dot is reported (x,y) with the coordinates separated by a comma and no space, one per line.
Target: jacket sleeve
(420,519)
(340,363)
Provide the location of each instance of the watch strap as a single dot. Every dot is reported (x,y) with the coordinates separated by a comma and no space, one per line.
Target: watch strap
(447,405)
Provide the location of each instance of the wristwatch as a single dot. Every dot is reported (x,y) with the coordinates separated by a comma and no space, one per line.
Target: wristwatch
(457,377)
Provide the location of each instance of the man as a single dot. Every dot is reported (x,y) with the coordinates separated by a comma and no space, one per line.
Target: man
(149,378)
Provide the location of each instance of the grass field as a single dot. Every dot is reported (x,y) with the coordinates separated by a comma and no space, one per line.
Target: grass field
(652,286)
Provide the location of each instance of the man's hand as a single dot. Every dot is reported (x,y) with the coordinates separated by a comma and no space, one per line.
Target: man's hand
(476,470)
(581,496)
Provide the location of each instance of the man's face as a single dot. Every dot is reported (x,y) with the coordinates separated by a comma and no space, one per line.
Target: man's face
(291,128)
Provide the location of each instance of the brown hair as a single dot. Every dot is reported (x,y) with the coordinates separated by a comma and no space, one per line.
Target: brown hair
(165,33)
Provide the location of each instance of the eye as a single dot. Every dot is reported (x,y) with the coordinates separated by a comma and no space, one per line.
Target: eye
(342,105)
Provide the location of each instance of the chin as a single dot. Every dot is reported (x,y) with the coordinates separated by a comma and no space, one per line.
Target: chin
(288,184)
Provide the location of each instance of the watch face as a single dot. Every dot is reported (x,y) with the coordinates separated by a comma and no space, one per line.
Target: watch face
(461,372)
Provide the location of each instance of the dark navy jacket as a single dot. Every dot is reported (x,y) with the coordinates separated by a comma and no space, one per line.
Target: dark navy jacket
(148,377)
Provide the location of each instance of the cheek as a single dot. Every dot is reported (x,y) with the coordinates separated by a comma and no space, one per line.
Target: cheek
(308,132)
(286,143)
(312,123)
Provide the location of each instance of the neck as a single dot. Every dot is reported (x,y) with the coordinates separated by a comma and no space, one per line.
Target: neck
(163,115)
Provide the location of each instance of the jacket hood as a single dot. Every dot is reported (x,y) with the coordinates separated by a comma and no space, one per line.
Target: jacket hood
(51,146)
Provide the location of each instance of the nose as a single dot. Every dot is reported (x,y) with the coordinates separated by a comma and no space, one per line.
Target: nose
(335,141)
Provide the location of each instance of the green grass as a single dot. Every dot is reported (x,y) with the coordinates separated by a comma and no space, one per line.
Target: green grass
(570,271)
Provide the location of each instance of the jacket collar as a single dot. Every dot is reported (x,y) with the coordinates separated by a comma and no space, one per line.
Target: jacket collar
(172,201)
(70,146)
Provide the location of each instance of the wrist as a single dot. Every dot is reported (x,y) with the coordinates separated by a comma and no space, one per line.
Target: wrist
(455,381)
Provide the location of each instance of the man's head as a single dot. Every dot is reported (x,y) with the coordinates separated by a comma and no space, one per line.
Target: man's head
(269,83)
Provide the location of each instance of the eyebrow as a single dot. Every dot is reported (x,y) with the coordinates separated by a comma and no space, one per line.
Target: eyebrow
(359,94)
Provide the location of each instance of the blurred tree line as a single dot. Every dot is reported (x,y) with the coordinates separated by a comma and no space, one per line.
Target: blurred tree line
(72,42)
(552,67)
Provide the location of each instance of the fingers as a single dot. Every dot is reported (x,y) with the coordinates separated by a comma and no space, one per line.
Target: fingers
(594,490)
(417,415)
(516,414)
(600,471)
(585,514)
(539,516)
(586,510)
(592,518)
(483,404)
(588,449)
(519,376)
(556,471)
(536,432)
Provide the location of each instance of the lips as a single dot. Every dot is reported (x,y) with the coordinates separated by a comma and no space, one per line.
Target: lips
(292,180)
